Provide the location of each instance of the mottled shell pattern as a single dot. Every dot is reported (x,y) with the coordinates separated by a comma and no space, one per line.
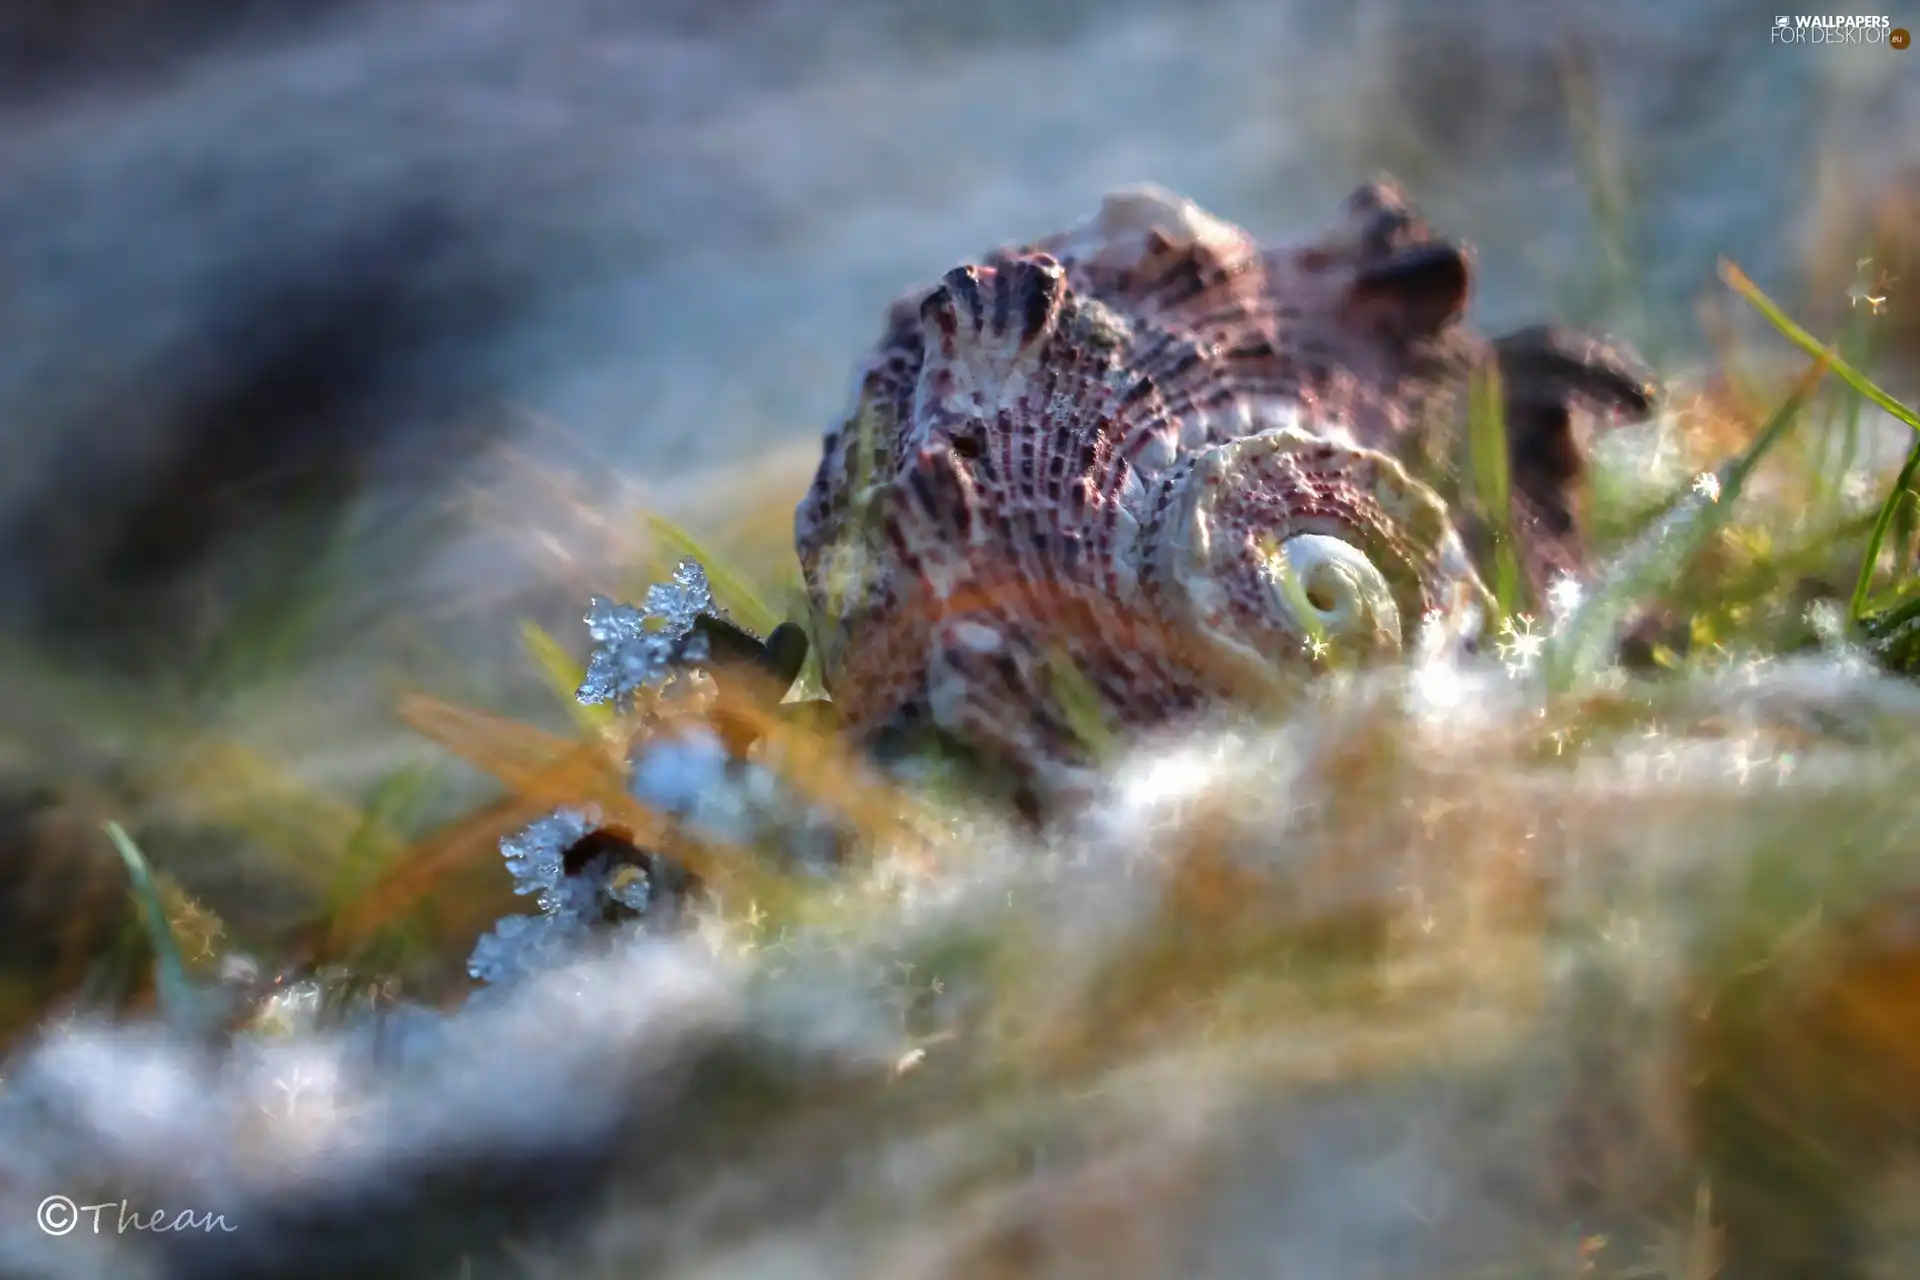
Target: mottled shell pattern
(1146,449)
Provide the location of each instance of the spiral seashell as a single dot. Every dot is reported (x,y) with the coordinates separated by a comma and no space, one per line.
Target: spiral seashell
(1153,451)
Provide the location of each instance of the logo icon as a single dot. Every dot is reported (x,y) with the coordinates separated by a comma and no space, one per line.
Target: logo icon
(1899,38)
(1782,21)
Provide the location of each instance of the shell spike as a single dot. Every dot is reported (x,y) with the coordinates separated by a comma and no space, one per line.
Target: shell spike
(994,316)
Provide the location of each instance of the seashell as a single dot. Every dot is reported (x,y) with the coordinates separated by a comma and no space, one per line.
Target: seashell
(1151,449)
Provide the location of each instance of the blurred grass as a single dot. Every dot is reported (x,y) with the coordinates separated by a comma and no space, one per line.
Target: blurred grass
(365,866)
(1616,290)
(1639,572)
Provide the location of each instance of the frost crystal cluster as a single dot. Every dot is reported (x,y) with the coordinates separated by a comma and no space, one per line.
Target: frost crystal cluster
(572,902)
(587,889)
(641,648)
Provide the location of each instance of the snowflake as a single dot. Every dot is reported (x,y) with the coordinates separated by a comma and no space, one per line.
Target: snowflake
(1875,294)
(1744,762)
(1563,597)
(1316,647)
(1707,485)
(295,1085)
(1872,295)
(638,648)
(1519,645)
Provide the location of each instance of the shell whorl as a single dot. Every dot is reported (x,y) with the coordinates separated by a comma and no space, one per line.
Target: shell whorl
(1370,552)
(1341,594)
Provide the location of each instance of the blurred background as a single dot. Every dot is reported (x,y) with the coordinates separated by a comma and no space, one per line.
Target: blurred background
(337,338)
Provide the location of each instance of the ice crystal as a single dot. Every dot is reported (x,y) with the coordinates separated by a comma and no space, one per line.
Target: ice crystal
(519,945)
(1707,485)
(1827,621)
(574,901)
(673,775)
(690,777)
(639,648)
(687,777)
(536,856)
(1563,597)
(291,1010)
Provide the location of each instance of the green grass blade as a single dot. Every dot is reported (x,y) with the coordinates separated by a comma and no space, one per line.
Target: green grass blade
(1586,643)
(1901,531)
(1492,480)
(731,588)
(1902,487)
(1892,633)
(1737,280)
(1855,347)
(177,998)
(395,801)
(563,675)
(1601,163)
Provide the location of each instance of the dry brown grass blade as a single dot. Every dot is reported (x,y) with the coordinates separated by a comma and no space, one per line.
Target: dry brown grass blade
(1166,986)
(518,754)
(423,868)
(546,770)
(538,765)
(1091,1215)
(66,899)
(1240,944)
